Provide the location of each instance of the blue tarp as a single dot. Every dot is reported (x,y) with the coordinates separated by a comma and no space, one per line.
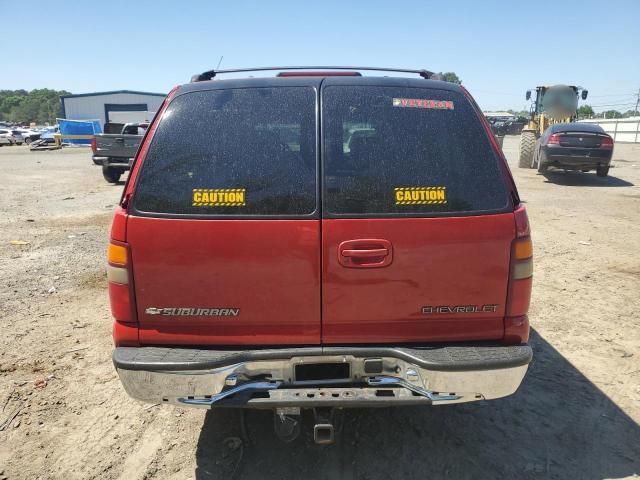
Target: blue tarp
(78,127)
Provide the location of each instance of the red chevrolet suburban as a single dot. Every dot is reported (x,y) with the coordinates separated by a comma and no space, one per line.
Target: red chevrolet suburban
(320,239)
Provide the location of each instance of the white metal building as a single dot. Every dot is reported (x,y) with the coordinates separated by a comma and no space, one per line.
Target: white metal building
(499,114)
(623,130)
(119,106)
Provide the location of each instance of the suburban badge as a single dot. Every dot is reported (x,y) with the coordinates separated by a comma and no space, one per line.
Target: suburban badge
(193,312)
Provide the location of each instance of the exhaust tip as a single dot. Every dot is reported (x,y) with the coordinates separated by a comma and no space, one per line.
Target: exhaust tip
(323,434)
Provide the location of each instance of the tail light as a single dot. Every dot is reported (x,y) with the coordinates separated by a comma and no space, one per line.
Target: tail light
(554,139)
(118,278)
(125,328)
(606,142)
(520,281)
(93,144)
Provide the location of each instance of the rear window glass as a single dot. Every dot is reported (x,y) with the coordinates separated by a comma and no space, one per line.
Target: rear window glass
(233,152)
(406,151)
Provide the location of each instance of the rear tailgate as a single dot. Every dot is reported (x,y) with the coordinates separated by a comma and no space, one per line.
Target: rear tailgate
(225,230)
(418,222)
(111,145)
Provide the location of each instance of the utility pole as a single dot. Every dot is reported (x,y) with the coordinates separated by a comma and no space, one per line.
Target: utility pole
(635,110)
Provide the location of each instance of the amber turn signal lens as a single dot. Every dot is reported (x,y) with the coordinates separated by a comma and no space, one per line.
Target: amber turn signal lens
(523,249)
(117,254)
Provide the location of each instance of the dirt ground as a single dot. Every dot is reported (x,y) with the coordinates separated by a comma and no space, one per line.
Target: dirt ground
(64,415)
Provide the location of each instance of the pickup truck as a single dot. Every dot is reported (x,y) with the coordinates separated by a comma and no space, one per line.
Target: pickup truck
(257,260)
(115,152)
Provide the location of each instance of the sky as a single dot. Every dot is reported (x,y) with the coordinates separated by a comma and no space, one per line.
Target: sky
(498,48)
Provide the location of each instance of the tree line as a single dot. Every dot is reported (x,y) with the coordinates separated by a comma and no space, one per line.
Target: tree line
(586,111)
(40,106)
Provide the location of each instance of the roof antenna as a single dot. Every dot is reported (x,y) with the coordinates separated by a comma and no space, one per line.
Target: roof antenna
(219,62)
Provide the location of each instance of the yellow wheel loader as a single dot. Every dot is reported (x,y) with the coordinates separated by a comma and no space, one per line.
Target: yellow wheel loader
(556,104)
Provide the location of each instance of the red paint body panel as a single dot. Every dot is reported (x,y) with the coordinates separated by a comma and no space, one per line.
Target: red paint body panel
(436,261)
(120,302)
(516,330)
(522,222)
(269,269)
(125,334)
(119,225)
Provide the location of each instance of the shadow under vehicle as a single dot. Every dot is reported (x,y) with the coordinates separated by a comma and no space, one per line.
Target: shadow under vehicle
(559,425)
(579,179)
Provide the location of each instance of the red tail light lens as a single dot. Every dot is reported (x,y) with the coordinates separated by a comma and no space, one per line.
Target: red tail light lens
(120,302)
(606,142)
(516,323)
(554,139)
(118,278)
(125,331)
(93,144)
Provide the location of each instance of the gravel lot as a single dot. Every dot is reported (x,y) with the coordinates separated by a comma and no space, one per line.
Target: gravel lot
(64,415)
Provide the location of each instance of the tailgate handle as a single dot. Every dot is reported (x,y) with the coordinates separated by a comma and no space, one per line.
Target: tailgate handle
(365,253)
(374,252)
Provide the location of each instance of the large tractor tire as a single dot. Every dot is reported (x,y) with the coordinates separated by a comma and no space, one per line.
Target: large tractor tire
(527,146)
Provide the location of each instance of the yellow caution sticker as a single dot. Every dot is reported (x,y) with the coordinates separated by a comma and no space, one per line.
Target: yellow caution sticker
(420,195)
(219,197)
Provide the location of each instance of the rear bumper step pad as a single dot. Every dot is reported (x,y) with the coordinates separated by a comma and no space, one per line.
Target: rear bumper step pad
(450,358)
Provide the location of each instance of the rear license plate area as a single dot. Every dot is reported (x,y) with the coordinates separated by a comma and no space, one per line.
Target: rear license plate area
(322,371)
(579,153)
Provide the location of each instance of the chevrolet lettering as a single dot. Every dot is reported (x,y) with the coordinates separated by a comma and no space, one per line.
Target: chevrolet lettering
(489,308)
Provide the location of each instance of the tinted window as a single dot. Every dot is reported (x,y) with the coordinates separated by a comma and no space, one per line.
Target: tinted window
(413,151)
(130,130)
(233,152)
(112,128)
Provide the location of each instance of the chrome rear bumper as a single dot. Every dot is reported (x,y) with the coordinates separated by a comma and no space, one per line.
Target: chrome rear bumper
(259,379)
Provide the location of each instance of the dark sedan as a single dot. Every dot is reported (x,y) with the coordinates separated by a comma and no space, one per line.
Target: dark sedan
(574,146)
(514,126)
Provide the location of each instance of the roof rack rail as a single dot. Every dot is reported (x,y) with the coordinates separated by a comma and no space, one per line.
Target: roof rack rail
(209,75)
